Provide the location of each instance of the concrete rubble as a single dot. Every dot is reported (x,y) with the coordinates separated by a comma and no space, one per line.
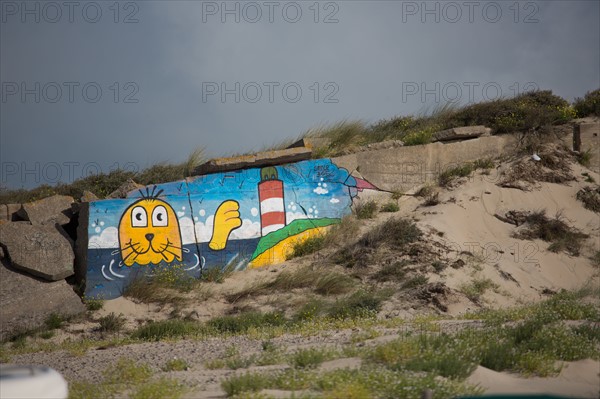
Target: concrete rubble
(42,251)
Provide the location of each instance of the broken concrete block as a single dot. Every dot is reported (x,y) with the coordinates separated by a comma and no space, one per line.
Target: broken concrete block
(81,245)
(41,250)
(50,210)
(88,196)
(3,212)
(12,212)
(124,189)
(312,142)
(460,133)
(27,302)
(259,160)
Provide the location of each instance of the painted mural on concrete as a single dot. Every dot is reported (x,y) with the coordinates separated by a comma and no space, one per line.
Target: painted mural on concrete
(246,218)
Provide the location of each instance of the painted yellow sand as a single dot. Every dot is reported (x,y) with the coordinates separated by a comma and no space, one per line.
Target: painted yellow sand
(279,252)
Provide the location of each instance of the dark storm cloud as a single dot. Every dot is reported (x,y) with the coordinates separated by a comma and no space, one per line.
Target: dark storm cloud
(178,56)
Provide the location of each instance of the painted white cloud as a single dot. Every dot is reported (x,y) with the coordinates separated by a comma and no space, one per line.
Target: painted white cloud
(187,230)
(248,229)
(320,190)
(109,238)
(334,200)
(254,212)
(204,230)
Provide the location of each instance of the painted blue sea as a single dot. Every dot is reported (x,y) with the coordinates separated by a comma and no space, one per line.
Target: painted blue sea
(107,278)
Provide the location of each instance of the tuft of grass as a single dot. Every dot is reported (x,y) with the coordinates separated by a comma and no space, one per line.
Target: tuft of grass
(163,388)
(111,323)
(54,321)
(248,382)
(156,331)
(216,274)
(392,272)
(476,288)
(351,390)
(585,158)
(596,258)
(432,199)
(438,266)
(322,282)
(310,310)
(425,191)
(307,358)
(447,176)
(334,283)
(555,230)
(308,246)
(344,231)
(418,138)
(162,285)
(47,334)
(415,282)
(362,303)
(588,105)
(588,178)
(243,322)
(90,390)
(397,232)
(390,207)
(590,198)
(342,136)
(485,163)
(127,372)
(365,210)
(176,364)
(93,304)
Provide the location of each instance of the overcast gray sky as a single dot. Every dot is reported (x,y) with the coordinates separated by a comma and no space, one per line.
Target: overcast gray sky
(89,86)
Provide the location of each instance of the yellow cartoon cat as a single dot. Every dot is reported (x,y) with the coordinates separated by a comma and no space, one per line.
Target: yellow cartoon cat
(149,233)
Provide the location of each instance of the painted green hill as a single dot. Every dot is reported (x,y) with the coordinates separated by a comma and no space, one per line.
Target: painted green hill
(296,227)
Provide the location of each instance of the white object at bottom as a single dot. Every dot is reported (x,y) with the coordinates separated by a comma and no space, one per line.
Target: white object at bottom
(40,382)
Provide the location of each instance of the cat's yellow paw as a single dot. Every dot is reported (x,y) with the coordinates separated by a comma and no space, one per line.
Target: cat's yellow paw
(227,219)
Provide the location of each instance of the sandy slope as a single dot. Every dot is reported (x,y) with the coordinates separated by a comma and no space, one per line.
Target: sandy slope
(577,379)
(463,223)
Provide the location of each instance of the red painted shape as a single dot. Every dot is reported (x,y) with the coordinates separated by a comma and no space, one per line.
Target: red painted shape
(270,189)
(271,218)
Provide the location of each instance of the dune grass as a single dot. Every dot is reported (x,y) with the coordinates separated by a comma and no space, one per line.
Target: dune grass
(524,113)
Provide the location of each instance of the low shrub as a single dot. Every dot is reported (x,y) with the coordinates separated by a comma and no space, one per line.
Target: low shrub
(365,210)
(362,303)
(174,328)
(176,364)
(396,232)
(476,288)
(308,246)
(555,230)
(248,382)
(392,272)
(415,282)
(307,358)
(588,105)
(590,198)
(243,322)
(449,175)
(111,323)
(390,207)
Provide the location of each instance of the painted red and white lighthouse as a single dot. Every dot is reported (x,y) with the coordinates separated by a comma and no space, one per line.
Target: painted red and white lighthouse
(272,205)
